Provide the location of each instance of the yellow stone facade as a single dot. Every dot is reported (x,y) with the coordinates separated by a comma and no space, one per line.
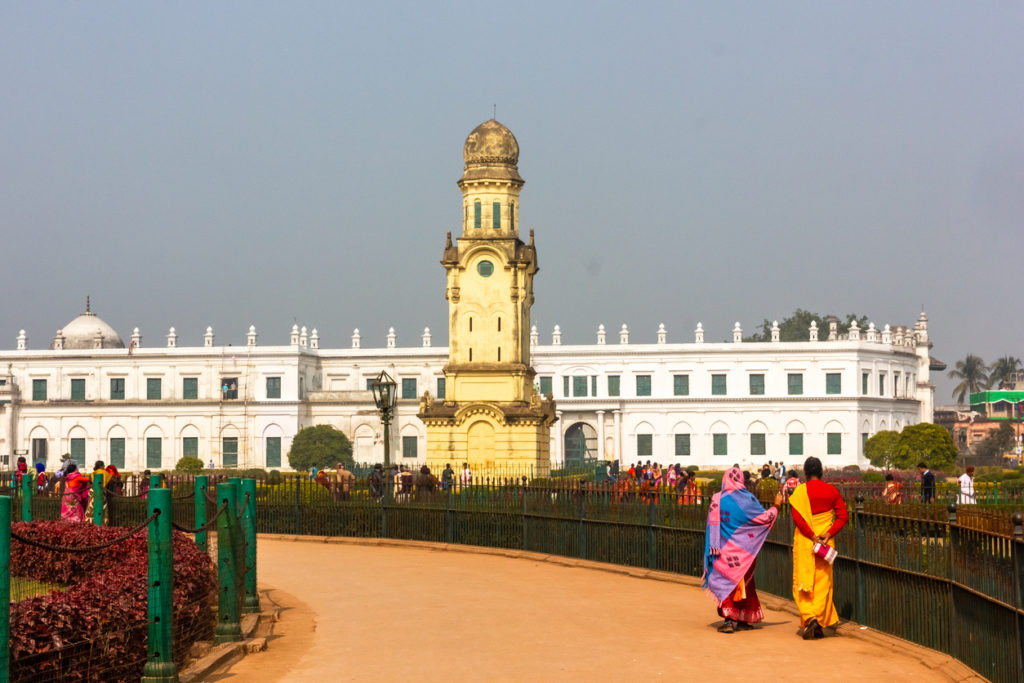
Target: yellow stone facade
(491,415)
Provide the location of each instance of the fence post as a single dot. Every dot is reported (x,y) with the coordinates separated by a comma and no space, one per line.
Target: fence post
(1018,571)
(160,660)
(252,597)
(202,540)
(26,499)
(97,499)
(652,545)
(857,536)
(228,627)
(298,503)
(523,513)
(5,588)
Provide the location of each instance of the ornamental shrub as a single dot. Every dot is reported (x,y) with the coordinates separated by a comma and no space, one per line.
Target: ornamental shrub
(189,466)
(97,627)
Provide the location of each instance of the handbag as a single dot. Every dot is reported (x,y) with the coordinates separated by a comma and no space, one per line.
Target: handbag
(825,552)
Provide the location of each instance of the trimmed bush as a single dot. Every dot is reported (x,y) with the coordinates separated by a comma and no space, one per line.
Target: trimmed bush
(189,466)
(98,625)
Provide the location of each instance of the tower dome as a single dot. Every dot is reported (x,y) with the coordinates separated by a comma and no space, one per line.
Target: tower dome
(492,152)
(491,143)
(81,333)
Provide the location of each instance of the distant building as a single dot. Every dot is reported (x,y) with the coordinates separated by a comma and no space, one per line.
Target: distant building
(987,412)
(696,403)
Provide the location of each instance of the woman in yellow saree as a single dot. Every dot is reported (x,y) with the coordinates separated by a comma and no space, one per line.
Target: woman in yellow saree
(819,512)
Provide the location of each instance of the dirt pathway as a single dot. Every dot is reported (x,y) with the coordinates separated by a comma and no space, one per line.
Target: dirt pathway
(380,613)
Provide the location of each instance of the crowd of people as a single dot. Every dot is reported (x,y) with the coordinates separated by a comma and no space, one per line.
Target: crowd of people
(404,482)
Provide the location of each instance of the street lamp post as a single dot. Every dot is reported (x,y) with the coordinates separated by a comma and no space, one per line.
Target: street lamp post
(384,395)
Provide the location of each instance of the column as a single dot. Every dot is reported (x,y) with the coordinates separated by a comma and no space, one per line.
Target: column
(557,432)
(617,433)
(600,435)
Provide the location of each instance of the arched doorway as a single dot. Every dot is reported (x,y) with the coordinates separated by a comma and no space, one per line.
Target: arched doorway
(580,445)
(481,444)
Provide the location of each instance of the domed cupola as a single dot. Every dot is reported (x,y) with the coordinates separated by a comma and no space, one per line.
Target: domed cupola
(491,152)
(89,331)
(490,183)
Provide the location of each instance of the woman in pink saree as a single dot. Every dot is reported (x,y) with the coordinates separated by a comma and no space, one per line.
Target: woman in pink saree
(74,493)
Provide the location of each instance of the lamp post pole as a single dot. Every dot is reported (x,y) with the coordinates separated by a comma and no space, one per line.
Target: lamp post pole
(384,395)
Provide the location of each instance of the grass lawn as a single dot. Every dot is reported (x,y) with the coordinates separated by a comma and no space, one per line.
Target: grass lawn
(22,588)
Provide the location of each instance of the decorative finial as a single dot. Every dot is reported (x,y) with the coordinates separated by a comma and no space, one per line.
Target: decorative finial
(87,304)
(531,237)
(495,114)
(448,240)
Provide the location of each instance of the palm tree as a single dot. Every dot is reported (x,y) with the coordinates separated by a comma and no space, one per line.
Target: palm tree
(1002,371)
(973,375)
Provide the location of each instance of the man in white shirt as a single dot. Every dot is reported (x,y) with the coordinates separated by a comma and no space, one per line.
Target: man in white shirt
(967,487)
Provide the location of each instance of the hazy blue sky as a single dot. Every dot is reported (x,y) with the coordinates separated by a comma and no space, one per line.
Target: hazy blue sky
(229,163)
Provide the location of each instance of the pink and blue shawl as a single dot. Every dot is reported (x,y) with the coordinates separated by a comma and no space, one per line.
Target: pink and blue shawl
(737,526)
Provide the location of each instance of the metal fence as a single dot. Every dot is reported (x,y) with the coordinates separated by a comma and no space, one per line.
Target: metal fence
(922,576)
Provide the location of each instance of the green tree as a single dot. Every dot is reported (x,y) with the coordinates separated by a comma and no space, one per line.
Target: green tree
(925,442)
(880,449)
(797,326)
(319,446)
(973,375)
(1002,371)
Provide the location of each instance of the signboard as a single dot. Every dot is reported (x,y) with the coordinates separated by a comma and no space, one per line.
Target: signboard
(21,451)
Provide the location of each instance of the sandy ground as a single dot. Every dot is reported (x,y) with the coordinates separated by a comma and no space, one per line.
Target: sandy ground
(367,613)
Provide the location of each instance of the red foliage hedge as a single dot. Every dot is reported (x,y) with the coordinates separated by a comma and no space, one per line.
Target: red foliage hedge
(97,628)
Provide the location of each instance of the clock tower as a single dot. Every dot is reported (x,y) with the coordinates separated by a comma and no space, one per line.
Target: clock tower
(491,416)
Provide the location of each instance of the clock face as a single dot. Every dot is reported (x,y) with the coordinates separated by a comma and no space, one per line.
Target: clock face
(485,268)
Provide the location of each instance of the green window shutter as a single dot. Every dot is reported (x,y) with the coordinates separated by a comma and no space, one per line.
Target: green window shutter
(864,383)
(190,388)
(579,386)
(409,387)
(153,389)
(833,383)
(835,443)
(409,444)
(593,385)
(796,383)
(644,444)
(863,441)
(720,444)
(273,451)
(39,390)
(682,444)
(613,385)
(440,387)
(881,384)
(643,385)
(757,385)
(154,453)
(273,387)
(718,386)
(545,386)
(796,444)
(78,390)
(511,216)
(78,452)
(757,444)
(190,447)
(229,451)
(496,215)
(117,388)
(565,386)
(478,215)
(117,452)
(681,385)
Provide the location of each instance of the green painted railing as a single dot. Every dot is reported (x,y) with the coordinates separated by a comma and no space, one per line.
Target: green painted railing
(954,589)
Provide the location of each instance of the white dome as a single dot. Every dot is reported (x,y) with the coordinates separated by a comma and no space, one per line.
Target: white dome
(80,333)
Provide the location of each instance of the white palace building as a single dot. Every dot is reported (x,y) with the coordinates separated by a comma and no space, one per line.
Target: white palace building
(697,403)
